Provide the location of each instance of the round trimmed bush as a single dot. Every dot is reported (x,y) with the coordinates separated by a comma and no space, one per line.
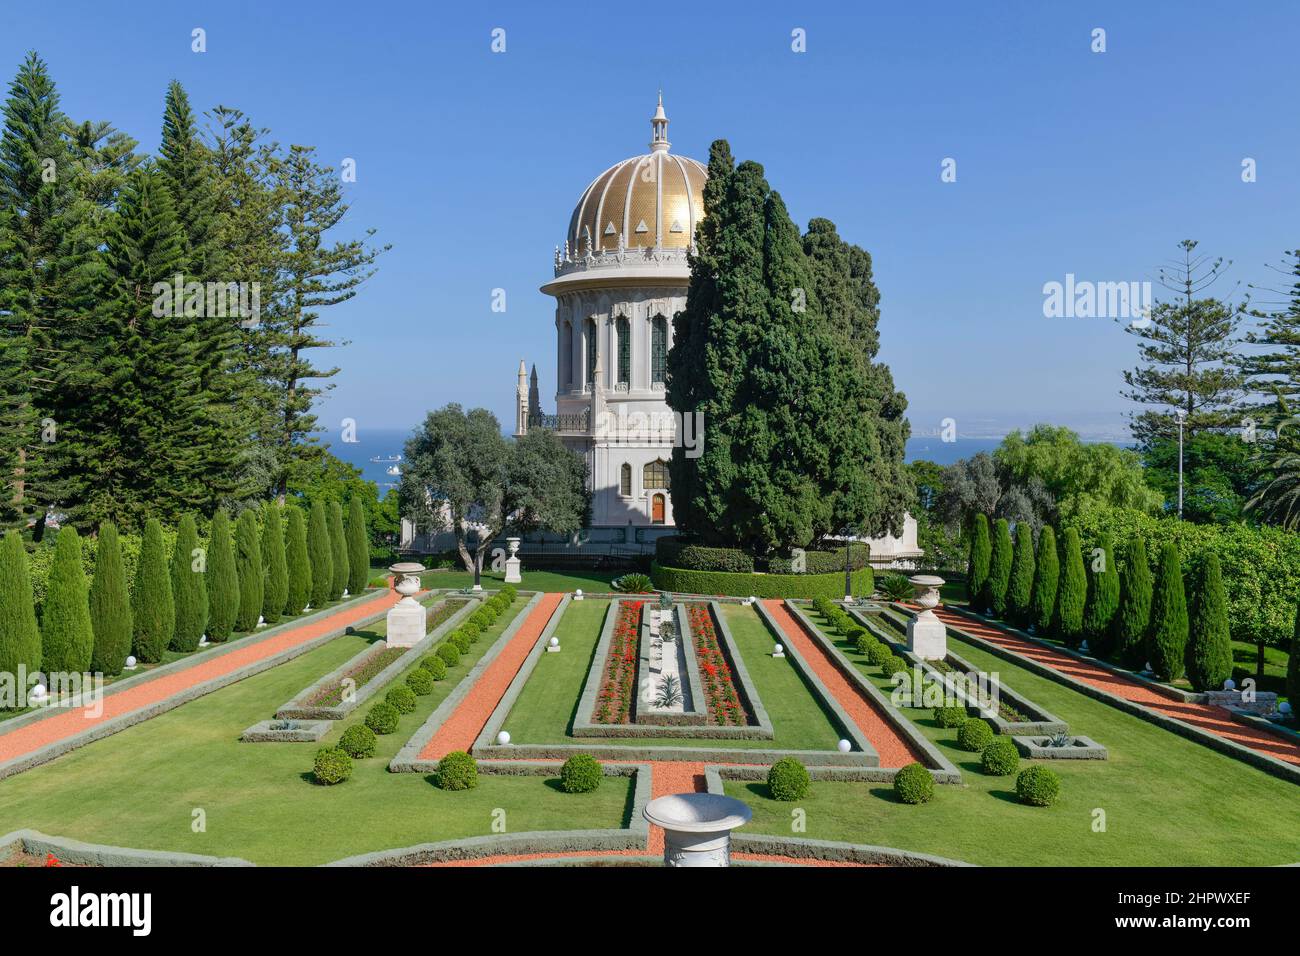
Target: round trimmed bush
(581,773)
(788,780)
(913,784)
(878,653)
(953,716)
(401,697)
(420,681)
(358,741)
(974,735)
(470,631)
(894,665)
(864,641)
(461,640)
(449,653)
(1038,786)
(382,718)
(332,766)
(434,666)
(1000,758)
(457,771)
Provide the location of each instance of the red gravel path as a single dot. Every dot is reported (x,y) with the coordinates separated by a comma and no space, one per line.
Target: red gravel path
(24,740)
(462,728)
(1203,716)
(894,750)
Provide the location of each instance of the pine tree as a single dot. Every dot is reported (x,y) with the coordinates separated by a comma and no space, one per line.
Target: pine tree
(1133,619)
(1276,371)
(248,563)
(1209,645)
(1047,570)
(338,551)
(321,555)
(276,595)
(1067,620)
(358,547)
(1103,598)
(152,604)
(223,580)
(67,637)
(20,638)
(189,588)
(977,567)
(299,564)
(110,605)
(1167,635)
(1020,594)
(999,579)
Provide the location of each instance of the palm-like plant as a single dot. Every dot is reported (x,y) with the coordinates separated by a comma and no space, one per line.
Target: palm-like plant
(1278,501)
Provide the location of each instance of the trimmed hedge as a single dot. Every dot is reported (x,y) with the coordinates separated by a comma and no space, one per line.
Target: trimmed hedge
(332,766)
(824,562)
(402,698)
(153,612)
(914,784)
(950,716)
(223,580)
(1000,757)
(449,653)
(420,681)
(435,666)
(788,780)
(974,736)
(673,552)
(581,773)
(110,610)
(358,741)
(457,771)
(383,718)
(20,637)
(683,581)
(1038,786)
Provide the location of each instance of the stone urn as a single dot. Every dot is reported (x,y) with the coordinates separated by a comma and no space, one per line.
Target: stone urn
(697,827)
(513,545)
(927,637)
(926,587)
(513,575)
(406,618)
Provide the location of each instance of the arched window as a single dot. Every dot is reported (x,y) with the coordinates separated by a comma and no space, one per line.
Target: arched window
(589,346)
(625,481)
(624,332)
(566,353)
(655,474)
(658,350)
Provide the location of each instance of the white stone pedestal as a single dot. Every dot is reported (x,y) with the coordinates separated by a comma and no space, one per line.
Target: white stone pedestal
(512,562)
(927,637)
(697,827)
(406,618)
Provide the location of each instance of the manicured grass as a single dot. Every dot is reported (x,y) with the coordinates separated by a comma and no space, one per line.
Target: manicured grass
(140,788)
(1167,801)
(546,708)
(533,580)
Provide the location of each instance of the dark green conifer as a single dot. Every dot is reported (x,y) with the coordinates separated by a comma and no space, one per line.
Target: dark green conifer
(1209,644)
(20,638)
(110,605)
(358,547)
(998,582)
(338,551)
(1131,622)
(1167,635)
(321,555)
(977,567)
(248,563)
(298,562)
(223,580)
(1047,571)
(276,595)
(1020,594)
(1067,620)
(152,605)
(189,587)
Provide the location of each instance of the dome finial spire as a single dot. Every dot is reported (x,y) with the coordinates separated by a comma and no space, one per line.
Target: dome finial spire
(659,127)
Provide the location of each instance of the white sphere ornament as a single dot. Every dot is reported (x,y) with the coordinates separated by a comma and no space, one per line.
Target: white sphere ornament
(845,746)
(38,694)
(1284,707)
(1229,684)
(503,738)
(555,642)
(778,650)
(130,662)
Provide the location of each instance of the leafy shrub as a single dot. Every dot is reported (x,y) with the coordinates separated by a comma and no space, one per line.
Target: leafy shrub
(894,665)
(457,771)
(1000,757)
(879,653)
(672,550)
(634,583)
(382,718)
(332,766)
(788,780)
(974,735)
(913,784)
(358,741)
(401,697)
(420,681)
(1038,786)
(449,653)
(737,584)
(953,716)
(435,666)
(581,773)
(864,643)
(896,587)
(461,640)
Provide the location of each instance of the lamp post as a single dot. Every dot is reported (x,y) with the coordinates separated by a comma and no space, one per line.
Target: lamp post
(847,532)
(473,540)
(1182,420)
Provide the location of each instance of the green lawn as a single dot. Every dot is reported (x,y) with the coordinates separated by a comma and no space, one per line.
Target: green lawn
(546,708)
(139,788)
(1167,801)
(532,580)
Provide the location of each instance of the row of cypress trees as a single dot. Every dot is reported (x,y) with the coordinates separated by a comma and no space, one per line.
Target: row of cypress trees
(241,578)
(1123,613)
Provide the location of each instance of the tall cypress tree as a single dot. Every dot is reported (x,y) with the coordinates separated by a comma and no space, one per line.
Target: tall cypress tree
(1047,570)
(321,555)
(20,638)
(189,588)
(152,605)
(1209,645)
(338,551)
(999,579)
(1103,598)
(1167,634)
(1131,622)
(1067,620)
(248,562)
(67,637)
(1293,666)
(276,595)
(223,579)
(110,605)
(358,547)
(977,566)
(298,561)
(1020,594)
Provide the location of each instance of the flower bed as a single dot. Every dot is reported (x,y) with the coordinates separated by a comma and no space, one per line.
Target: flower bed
(443,611)
(332,694)
(618,683)
(719,690)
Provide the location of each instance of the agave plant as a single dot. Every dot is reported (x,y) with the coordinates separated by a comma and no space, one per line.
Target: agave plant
(896,587)
(1059,740)
(670,692)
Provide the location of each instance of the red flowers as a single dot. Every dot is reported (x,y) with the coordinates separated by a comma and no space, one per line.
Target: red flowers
(618,683)
(719,691)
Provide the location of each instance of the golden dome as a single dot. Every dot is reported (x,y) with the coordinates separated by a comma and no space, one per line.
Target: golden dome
(650,200)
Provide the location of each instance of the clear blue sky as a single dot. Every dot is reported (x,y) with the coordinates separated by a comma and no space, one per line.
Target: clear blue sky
(470,162)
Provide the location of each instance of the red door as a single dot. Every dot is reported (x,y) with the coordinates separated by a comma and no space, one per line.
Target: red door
(657,509)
